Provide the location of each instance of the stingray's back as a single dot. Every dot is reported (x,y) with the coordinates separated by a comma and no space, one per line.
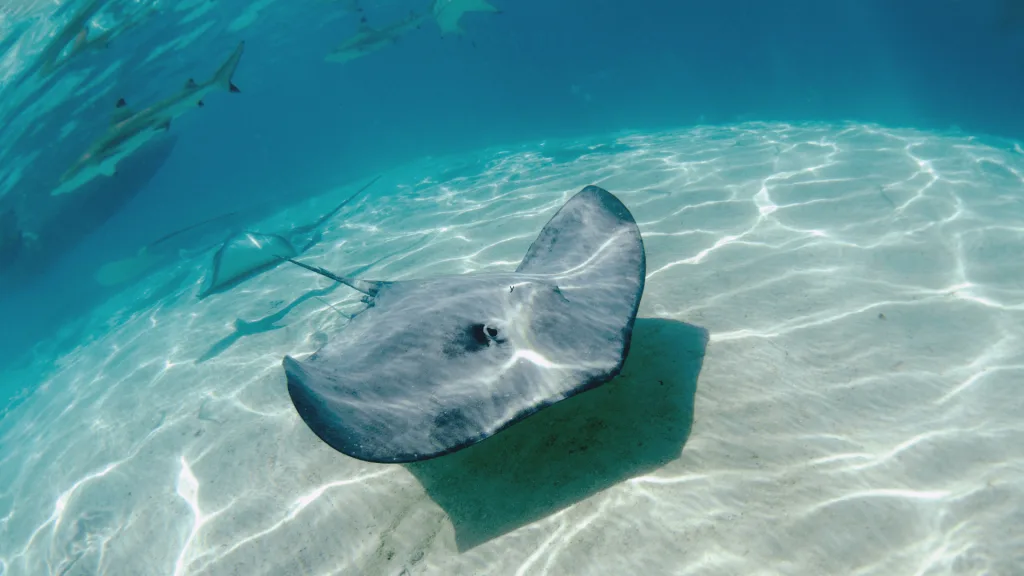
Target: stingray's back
(438,364)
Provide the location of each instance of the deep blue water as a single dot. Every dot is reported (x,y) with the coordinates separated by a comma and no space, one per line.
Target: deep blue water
(537,71)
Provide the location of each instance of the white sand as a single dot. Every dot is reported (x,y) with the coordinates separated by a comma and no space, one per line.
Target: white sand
(859,408)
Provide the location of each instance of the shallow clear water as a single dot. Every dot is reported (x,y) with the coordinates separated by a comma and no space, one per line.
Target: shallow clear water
(824,376)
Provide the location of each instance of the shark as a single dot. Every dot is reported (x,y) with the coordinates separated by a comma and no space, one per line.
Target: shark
(74,33)
(368,39)
(74,37)
(448,13)
(129,129)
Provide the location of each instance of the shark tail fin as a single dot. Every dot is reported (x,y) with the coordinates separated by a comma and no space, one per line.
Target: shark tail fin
(227,70)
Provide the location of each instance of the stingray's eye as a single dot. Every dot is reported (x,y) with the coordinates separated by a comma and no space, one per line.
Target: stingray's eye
(478,337)
(479,334)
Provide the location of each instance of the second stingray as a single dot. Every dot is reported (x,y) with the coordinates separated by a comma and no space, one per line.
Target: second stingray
(248,254)
(437,364)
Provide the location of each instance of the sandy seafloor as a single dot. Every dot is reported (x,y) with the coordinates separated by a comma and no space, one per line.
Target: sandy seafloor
(858,410)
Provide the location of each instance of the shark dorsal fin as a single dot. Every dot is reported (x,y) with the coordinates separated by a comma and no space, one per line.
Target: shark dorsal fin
(190,84)
(121,112)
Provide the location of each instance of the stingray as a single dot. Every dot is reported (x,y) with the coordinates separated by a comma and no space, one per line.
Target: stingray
(432,366)
(245,328)
(247,254)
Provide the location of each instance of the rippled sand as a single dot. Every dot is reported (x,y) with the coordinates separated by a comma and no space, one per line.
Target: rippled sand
(856,409)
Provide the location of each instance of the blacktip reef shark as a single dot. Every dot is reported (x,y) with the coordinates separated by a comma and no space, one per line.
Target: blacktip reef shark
(448,13)
(74,33)
(434,365)
(368,39)
(129,130)
(12,239)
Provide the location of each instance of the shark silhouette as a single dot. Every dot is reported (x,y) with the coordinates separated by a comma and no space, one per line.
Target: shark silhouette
(129,130)
(74,33)
(368,39)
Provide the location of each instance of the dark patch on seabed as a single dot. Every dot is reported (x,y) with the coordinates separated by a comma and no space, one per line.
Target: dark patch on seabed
(576,448)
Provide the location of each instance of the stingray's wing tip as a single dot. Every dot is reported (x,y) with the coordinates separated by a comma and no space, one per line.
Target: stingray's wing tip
(325,421)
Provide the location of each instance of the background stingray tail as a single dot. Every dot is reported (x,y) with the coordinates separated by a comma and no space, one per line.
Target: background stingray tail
(338,208)
(368,287)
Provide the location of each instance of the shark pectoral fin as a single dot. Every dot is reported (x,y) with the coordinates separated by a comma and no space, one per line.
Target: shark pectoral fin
(164,126)
(190,84)
(234,89)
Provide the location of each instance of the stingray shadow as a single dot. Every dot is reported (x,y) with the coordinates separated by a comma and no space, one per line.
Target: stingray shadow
(245,328)
(630,426)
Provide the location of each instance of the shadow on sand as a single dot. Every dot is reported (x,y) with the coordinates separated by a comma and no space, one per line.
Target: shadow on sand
(578,447)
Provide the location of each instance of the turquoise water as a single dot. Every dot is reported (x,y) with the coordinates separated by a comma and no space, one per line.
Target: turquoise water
(824,371)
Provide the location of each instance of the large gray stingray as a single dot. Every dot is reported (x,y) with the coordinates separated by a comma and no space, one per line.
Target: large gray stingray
(438,364)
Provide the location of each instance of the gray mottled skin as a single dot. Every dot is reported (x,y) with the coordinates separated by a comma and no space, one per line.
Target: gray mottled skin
(438,364)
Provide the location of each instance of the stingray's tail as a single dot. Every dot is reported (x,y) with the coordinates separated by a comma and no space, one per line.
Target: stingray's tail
(368,287)
(226,71)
